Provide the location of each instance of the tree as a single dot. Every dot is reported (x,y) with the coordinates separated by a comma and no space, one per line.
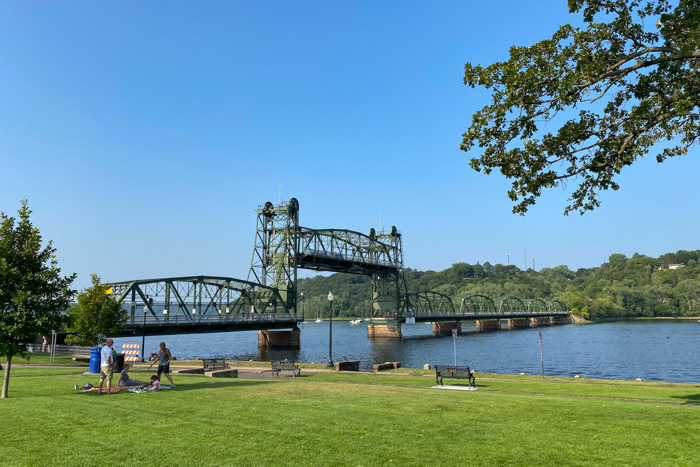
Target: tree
(32,292)
(95,316)
(628,81)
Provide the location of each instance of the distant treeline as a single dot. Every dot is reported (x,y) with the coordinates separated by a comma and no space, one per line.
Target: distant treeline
(622,287)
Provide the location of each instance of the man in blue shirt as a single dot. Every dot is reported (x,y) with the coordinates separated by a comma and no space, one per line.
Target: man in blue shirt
(106,366)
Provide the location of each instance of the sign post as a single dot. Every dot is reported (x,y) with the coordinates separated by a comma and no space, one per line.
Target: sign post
(454,340)
(541,355)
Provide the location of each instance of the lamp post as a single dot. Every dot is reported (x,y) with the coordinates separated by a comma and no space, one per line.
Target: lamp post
(143,338)
(330,332)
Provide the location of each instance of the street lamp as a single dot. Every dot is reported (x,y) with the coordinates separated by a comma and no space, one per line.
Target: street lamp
(330,332)
(143,339)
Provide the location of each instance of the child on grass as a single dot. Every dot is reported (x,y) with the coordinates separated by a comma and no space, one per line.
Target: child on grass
(155,384)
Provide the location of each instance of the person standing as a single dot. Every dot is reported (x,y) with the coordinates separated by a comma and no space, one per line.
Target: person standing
(163,358)
(106,366)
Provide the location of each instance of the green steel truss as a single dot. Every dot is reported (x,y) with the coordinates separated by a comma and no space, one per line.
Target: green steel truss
(282,247)
(434,306)
(195,298)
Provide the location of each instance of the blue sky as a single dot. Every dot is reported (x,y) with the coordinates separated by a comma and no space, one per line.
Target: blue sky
(145,135)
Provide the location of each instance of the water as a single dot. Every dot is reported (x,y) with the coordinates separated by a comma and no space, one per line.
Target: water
(652,350)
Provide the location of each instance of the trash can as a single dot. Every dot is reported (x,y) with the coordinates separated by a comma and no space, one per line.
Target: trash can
(119,363)
(95,360)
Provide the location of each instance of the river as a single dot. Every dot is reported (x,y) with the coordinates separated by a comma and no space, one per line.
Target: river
(654,350)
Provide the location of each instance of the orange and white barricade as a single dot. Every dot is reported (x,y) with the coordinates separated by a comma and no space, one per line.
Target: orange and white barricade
(131,352)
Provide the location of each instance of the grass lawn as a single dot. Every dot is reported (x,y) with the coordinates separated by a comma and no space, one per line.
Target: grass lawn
(44,359)
(348,419)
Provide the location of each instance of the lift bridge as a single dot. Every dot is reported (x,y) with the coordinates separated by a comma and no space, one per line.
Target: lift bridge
(267,300)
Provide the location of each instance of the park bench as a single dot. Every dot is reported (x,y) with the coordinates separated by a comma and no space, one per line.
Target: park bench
(213,364)
(278,366)
(451,371)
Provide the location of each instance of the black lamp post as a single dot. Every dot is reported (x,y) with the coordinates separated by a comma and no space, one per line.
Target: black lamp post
(330,333)
(143,339)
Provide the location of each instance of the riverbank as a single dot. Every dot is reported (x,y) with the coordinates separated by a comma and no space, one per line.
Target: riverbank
(329,418)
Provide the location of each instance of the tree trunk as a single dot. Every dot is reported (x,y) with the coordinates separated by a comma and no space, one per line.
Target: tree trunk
(6,379)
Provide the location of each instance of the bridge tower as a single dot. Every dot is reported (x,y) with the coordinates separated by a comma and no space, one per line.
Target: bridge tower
(386,290)
(274,263)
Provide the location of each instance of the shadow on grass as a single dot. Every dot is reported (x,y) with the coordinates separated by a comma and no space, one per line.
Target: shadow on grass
(690,399)
(199,386)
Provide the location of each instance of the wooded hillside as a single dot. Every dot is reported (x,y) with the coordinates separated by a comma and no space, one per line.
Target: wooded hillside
(621,287)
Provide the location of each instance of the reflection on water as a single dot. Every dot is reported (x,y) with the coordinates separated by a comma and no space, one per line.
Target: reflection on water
(651,350)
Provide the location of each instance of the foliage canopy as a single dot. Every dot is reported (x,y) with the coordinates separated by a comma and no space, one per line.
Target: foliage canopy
(626,82)
(95,316)
(32,292)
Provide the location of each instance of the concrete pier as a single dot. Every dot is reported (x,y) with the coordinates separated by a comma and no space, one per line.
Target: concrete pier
(544,321)
(384,330)
(562,319)
(518,323)
(283,339)
(445,328)
(488,325)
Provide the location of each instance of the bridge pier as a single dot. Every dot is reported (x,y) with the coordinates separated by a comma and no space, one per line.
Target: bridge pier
(445,328)
(384,330)
(518,323)
(483,325)
(562,319)
(284,339)
(544,321)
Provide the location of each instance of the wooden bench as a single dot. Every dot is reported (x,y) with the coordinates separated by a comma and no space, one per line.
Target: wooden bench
(213,364)
(447,371)
(278,366)
(386,366)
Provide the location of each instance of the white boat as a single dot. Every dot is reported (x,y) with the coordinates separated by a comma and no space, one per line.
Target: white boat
(357,321)
(319,320)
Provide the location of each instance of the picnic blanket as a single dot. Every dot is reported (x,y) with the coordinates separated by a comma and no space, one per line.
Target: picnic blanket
(126,388)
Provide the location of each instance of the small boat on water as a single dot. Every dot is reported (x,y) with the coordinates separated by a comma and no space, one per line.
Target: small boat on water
(357,321)
(319,320)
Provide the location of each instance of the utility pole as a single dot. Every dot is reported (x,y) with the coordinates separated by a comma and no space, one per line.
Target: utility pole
(533,263)
(508,259)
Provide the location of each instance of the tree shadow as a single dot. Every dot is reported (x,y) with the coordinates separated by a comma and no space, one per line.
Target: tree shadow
(180,387)
(689,399)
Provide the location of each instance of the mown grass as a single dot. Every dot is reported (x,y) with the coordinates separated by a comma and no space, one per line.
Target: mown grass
(348,419)
(45,359)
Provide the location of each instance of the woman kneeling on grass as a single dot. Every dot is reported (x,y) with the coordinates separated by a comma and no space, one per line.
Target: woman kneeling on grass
(155,384)
(125,381)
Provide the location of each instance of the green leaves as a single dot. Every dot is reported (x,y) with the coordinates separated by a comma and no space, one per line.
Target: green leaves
(612,91)
(32,292)
(95,316)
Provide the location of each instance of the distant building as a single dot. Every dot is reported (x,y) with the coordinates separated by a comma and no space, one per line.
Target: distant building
(673,266)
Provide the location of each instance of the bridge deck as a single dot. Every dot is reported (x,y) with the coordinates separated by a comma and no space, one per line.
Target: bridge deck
(187,325)
(480,315)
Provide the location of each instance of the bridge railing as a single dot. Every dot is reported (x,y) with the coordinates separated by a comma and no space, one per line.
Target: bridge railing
(242,318)
(481,314)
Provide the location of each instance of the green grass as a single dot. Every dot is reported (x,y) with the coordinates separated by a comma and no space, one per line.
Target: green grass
(350,419)
(45,359)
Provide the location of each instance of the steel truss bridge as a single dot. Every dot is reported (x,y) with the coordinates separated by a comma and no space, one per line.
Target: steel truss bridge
(434,306)
(268,298)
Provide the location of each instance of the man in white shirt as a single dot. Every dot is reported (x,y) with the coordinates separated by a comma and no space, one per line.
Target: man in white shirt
(106,366)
